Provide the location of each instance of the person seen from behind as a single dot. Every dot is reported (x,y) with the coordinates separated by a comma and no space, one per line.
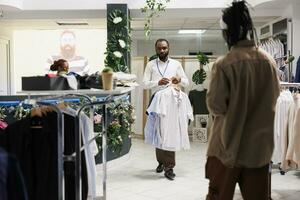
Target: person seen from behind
(241,98)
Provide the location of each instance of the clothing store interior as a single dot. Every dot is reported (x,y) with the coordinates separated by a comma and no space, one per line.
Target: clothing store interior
(149,100)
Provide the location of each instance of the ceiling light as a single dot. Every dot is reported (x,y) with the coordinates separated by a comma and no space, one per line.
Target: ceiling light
(191,31)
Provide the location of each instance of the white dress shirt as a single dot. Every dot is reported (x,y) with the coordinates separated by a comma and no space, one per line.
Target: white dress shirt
(157,69)
(174,110)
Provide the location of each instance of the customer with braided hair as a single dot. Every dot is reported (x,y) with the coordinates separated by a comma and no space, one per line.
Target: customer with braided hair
(241,98)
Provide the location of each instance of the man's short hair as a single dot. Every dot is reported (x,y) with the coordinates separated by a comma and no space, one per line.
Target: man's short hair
(162,40)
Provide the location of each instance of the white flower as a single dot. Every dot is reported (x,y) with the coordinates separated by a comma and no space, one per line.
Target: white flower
(117,20)
(118,54)
(119,137)
(122,43)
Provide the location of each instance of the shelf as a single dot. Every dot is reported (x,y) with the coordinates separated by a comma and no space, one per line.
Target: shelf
(117,91)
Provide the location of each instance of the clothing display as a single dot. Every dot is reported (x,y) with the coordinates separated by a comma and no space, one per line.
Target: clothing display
(36,150)
(229,141)
(283,104)
(291,152)
(90,151)
(169,106)
(277,50)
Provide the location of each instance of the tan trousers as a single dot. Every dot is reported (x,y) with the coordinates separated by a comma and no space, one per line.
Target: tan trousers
(253,183)
(167,158)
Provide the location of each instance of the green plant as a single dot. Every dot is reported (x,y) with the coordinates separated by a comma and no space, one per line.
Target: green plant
(152,9)
(107,70)
(119,42)
(200,75)
(202,58)
(122,114)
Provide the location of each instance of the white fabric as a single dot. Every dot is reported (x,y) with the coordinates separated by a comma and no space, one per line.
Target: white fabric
(283,104)
(174,109)
(72,81)
(169,69)
(291,157)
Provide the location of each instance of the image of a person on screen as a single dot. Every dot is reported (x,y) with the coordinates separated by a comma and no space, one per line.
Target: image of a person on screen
(77,64)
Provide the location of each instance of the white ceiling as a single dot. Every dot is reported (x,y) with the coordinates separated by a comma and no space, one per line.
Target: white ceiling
(98,4)
(42,14)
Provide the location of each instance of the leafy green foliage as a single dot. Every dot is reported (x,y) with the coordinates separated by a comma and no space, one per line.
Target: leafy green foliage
(199,76)
(153,8)
(107,70)
(202,58)
(119,42)
(120,127)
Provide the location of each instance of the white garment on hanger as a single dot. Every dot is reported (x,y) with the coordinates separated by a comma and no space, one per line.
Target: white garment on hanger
(174,109)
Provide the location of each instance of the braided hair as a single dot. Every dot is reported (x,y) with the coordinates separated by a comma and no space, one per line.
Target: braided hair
(239,23)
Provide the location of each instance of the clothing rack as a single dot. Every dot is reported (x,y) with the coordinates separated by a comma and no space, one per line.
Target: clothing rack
(110,96)
(289,85)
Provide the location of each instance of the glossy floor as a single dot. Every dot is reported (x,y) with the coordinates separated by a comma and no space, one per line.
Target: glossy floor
(134,177)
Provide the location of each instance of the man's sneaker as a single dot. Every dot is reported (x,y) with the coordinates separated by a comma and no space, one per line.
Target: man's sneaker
(160,168)
(169,174)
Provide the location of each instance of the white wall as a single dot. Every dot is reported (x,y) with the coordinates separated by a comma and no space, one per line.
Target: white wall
(296,34)
(31,48)
(182,47)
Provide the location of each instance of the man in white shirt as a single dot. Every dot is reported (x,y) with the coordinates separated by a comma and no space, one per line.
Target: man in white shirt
(158,73)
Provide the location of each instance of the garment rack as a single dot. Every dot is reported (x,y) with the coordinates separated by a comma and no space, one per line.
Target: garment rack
(111,96)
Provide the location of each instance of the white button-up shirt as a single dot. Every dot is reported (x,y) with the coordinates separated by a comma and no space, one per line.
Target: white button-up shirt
(157,69)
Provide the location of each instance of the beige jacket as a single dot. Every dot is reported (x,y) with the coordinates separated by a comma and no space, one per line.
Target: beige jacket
(242,98)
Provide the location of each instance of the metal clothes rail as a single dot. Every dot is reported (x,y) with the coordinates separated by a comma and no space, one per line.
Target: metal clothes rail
(110,96)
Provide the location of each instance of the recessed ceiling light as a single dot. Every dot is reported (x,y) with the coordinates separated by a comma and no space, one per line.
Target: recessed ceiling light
(191,31)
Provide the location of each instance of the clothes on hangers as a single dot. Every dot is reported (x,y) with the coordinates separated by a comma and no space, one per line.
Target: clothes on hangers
(283,104)
(167,126)
(90,151)
(291,154)
(36,151)
(277,50)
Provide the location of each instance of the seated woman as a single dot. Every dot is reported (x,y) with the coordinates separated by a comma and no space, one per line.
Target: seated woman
(61,66)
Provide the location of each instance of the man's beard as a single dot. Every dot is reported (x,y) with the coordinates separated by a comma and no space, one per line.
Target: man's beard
(68,53)
(163,57)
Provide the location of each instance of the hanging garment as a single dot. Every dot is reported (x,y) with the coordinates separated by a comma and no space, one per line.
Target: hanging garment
(90,150)
(297,76)
(283,104)
(174,110)
(291,157)
(36,151)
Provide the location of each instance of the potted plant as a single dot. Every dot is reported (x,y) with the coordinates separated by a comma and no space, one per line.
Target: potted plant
(200,75)
(107,78)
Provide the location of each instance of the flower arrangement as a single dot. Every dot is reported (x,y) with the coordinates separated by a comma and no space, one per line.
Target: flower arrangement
(200,75)
(152,9)
(122,115)
(119,42)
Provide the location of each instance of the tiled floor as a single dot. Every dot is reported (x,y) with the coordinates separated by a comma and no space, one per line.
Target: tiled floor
(134,177)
